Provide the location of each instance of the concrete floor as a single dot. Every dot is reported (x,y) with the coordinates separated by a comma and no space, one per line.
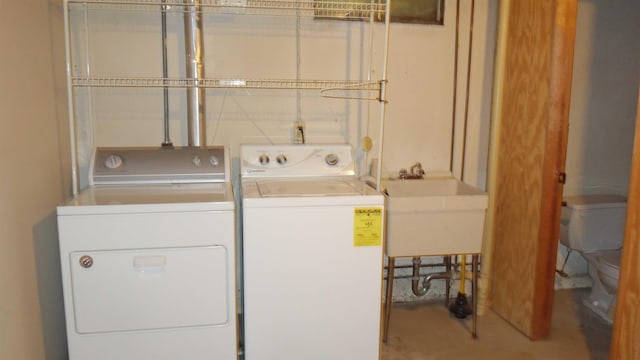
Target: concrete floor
(426,331)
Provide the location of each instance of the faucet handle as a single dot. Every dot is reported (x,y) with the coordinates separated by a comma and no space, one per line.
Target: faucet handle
(416,169)
(403,174)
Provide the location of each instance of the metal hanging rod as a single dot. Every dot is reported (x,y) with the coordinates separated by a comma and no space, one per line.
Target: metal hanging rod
(322,9)
(323,85)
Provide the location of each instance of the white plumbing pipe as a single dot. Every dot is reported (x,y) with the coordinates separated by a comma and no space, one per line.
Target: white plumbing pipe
(383,94)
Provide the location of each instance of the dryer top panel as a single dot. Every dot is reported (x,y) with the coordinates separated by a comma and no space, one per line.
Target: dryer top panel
(147,165)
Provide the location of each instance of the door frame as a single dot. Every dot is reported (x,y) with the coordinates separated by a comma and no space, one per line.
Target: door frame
(626,325)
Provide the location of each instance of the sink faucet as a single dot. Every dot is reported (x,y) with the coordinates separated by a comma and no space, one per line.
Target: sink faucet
(415,172)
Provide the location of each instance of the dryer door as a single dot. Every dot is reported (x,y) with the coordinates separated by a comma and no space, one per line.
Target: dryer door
(143,289)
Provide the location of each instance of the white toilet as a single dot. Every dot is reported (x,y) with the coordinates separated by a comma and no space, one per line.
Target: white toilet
(594,226)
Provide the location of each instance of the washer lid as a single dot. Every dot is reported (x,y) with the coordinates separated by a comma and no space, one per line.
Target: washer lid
(308,188)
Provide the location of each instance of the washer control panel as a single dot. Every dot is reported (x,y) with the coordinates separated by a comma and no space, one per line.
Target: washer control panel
(296,160)
(158,165)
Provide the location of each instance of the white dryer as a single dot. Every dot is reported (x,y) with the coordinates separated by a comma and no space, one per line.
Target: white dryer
(313,260)
(148,257)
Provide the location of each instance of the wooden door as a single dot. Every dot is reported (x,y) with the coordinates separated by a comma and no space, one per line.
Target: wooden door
(535,59)
(626,327)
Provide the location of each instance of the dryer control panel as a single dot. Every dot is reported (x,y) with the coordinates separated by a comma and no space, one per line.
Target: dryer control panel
(158,165)
(296,160)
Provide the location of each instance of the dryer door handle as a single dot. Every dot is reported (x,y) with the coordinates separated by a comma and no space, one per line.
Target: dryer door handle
(147,264)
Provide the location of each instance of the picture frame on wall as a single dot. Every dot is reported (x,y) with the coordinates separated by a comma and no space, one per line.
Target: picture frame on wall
(418,11)
(402,11)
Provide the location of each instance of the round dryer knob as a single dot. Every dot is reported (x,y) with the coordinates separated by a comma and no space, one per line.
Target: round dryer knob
(113,161)
(281,159)
(331,159)
(213,160)
(264,159)
(196,160)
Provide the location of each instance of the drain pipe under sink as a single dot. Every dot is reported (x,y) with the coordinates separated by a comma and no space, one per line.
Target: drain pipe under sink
(426,283)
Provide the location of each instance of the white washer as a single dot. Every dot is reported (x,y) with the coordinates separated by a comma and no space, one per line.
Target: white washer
(313,260)
(148,257)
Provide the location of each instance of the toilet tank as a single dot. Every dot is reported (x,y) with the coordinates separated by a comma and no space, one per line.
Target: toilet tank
(593,222)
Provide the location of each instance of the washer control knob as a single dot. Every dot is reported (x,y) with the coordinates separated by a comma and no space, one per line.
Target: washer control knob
(213,160)
(86,261)
(113,161)
(264,159)
(331,159)
(282,159)
(196,160)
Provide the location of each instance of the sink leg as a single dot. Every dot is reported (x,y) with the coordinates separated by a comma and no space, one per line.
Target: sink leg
(474,294)
(387,299)
(447,265)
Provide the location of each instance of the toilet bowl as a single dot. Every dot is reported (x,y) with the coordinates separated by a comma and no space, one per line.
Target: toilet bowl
(604,270)
(608,265)
(593,225)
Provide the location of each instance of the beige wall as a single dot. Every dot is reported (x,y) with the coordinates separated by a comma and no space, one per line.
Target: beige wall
(604,97)
(420,73)
(33,130)
(31,184)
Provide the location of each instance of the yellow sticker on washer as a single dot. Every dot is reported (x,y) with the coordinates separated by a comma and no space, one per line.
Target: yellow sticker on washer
(367,227)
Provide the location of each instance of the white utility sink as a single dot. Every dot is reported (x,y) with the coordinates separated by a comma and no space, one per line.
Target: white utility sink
(434,216)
